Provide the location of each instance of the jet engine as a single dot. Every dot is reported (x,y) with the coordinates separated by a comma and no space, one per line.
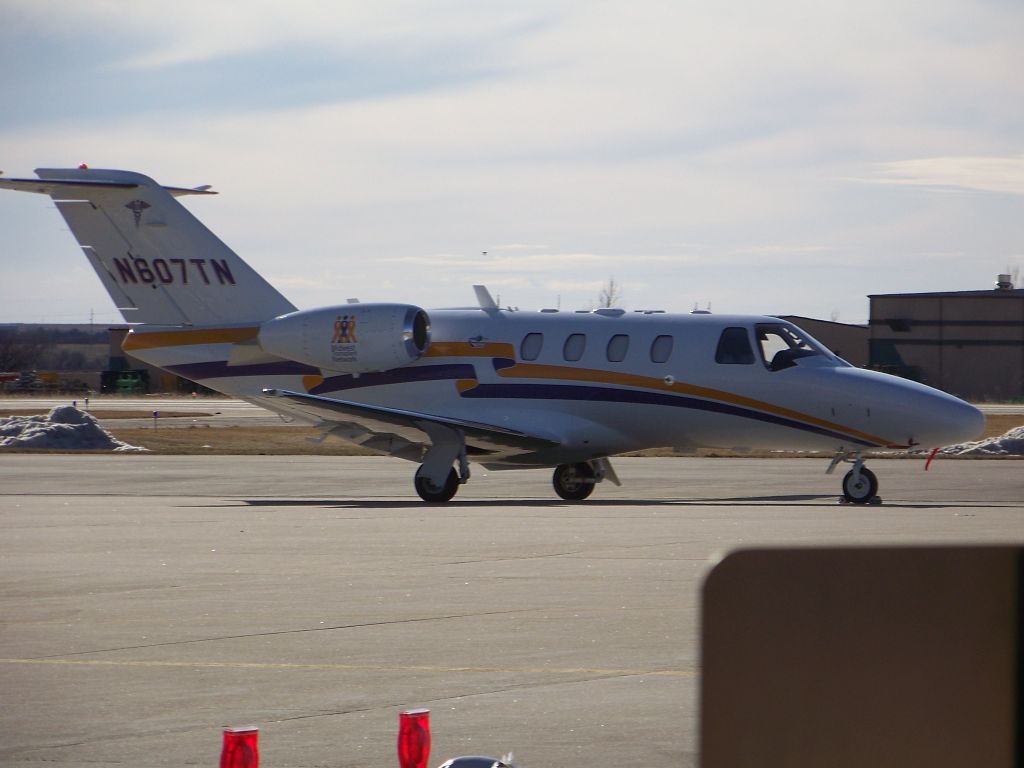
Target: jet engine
(349,338)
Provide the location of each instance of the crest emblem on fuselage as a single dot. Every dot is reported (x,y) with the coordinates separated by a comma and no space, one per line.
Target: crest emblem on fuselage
(343,342)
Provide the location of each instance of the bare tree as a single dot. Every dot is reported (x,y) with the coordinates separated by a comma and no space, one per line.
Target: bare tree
(610,295)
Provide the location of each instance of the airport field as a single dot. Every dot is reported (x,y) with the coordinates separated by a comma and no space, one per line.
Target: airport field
(146,600)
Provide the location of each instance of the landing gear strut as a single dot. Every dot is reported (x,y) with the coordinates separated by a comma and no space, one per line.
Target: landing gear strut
(860,486)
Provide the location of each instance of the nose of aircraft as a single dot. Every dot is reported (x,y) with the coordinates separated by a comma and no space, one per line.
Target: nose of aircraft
(911,414)
(948,421)
(928,418)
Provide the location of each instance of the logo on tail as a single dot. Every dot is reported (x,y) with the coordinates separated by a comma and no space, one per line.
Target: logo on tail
(137,207)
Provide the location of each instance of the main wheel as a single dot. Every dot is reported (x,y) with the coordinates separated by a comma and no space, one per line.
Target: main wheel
(573,482)
(862,490)
(433,493)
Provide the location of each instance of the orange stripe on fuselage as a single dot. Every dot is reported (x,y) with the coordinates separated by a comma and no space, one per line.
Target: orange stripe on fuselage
(466,349)
(158,339)
(538,371)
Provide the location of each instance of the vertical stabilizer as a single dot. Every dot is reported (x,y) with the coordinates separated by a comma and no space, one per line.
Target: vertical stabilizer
(157,261)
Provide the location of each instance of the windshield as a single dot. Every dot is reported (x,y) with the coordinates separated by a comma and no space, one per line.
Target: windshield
(782,344)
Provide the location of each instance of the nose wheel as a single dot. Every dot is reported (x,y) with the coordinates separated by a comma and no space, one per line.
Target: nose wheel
(860,487)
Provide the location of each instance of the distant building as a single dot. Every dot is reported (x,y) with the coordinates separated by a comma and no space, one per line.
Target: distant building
(969,343)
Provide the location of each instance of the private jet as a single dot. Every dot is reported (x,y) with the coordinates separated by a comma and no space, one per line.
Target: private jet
(502,388)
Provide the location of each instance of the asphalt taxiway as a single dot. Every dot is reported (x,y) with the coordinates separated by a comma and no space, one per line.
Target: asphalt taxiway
(147,601)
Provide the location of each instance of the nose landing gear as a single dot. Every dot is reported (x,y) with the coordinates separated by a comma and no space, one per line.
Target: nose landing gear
(860,486)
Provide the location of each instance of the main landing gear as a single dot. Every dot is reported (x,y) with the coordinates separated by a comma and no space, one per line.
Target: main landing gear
(575,482)
(860,486)
(432,492)
(436,479)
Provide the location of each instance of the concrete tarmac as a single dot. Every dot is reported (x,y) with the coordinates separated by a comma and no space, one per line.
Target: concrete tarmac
(147,601)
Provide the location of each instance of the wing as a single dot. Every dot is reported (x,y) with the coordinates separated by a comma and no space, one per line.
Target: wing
(399,432)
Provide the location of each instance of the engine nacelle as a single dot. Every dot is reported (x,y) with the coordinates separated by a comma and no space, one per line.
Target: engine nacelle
(349,338)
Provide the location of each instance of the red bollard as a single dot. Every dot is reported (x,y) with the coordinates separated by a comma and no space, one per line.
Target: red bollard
(240,749)
(414,738)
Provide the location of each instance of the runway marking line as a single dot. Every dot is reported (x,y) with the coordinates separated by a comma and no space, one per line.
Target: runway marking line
(356,667)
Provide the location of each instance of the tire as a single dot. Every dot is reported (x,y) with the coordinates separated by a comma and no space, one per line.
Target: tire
(432,493)
(573,482)
(860,492)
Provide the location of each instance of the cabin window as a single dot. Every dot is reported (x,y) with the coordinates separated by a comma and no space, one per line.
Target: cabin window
(617,348)
(574,346)
(734,347)
(661,349)
(531,346)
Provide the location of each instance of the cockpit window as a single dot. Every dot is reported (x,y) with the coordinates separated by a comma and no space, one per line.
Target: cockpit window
(782,345)
(734,347)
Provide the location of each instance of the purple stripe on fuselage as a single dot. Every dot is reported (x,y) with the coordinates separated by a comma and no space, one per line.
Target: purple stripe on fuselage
(617,395)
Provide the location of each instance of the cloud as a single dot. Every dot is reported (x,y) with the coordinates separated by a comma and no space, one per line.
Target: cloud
(378,149)
(537,262)
(1003,175)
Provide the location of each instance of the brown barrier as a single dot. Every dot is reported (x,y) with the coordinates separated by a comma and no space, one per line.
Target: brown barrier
(861,657)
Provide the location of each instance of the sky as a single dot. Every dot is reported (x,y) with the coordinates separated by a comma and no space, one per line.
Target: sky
(772,158)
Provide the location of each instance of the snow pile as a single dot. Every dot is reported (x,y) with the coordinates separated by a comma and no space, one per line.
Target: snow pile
(63,428)
(1008,444)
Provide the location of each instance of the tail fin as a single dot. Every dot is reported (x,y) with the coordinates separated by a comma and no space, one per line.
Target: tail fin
(157,261)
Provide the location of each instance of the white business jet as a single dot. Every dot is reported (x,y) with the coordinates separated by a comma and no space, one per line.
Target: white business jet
(504,388)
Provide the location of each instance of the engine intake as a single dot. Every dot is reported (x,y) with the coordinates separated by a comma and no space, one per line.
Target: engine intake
(349,338)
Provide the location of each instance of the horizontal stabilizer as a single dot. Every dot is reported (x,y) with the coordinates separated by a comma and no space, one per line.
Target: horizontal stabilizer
(53,187)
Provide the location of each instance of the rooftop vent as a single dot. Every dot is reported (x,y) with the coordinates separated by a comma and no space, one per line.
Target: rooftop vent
(1004,283)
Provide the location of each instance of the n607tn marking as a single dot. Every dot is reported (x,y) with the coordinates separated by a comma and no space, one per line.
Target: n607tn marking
(135,270)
